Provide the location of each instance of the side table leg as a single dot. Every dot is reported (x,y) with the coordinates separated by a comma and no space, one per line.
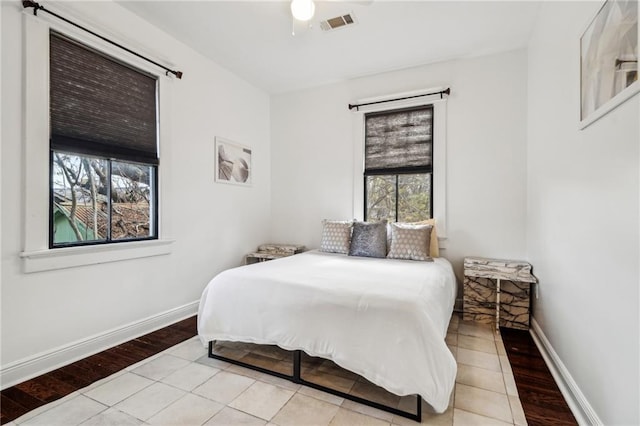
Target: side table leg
(497,304)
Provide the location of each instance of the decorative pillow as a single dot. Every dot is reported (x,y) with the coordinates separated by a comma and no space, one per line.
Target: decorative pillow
(336,236)
(369,239)
(434,248)
(410,242)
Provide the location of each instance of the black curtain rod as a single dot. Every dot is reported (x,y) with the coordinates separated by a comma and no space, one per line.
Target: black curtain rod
(446,91)
(36,7)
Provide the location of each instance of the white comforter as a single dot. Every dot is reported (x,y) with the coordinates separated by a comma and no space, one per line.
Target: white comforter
(383,319)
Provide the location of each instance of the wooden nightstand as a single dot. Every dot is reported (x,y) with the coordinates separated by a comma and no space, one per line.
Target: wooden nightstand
(497,291)
(272,251)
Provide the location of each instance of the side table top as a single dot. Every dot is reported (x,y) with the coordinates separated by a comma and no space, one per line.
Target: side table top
(281,248)
(512,270)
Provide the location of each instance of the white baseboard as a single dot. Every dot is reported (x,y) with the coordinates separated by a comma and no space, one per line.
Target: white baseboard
(580,407)
(28,368)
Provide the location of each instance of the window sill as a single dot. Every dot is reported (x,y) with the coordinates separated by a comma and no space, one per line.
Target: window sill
(70,257)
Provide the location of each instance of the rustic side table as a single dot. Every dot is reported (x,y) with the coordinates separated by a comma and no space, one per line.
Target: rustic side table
(272,251)
(497,291)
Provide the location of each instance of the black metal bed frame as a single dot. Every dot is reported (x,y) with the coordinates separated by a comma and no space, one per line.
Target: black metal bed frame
(296,378)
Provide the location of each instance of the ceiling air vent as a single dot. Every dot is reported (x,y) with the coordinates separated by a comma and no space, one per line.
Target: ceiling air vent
(337,22)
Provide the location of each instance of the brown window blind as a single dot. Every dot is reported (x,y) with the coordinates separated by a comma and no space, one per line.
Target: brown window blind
(399,141)
(98,106)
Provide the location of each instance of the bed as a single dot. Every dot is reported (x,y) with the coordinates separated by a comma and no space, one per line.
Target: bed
(383,319)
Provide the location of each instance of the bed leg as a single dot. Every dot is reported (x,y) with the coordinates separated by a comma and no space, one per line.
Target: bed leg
(419,408)
(297,359)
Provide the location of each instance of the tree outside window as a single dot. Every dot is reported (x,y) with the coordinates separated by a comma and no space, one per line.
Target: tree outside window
(100,200)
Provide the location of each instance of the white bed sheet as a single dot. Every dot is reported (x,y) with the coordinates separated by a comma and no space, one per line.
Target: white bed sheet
(383,319)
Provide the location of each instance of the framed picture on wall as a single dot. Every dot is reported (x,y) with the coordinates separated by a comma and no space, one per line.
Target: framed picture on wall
(232,162)
(608,59)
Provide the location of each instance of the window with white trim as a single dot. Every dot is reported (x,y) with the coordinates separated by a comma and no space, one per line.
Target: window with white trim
(103,148)
(398,170)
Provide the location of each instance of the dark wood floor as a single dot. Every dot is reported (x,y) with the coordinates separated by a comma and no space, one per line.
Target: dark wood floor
(541,399)
(26,396)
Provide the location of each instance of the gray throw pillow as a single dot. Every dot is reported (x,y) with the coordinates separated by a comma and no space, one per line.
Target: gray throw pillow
(369,239)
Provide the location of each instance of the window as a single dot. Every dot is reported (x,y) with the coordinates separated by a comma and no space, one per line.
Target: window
(398,175)
(103,148)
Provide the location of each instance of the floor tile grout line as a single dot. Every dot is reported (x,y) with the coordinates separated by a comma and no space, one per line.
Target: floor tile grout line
(172,348)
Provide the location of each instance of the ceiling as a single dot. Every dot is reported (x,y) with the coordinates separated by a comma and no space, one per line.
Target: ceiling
(254,40)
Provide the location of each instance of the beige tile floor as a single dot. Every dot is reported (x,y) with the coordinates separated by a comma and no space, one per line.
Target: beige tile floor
(182,386)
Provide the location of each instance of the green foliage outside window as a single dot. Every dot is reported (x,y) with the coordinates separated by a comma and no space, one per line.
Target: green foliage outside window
(402,198)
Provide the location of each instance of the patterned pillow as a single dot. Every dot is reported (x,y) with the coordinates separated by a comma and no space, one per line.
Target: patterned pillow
(410,242)
(336,236)
(369,239)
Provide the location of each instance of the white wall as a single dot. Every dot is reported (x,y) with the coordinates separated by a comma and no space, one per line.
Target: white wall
(515,162)
(313,153)
(213,225)
(582,220)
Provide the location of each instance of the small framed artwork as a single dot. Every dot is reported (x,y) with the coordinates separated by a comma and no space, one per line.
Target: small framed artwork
(608,60)
(232,162)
